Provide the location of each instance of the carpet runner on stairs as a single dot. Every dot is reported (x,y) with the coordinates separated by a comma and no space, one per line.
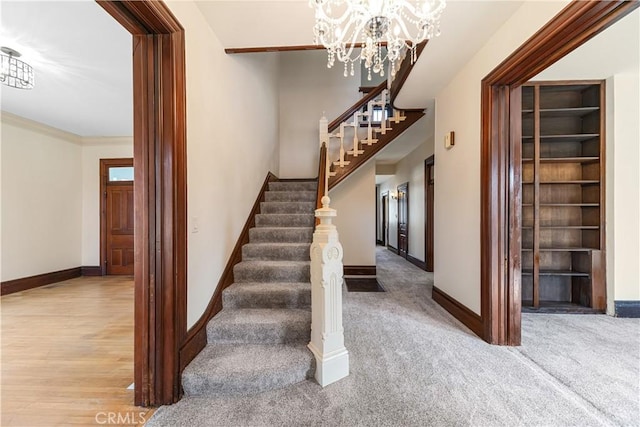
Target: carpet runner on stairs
(258,341)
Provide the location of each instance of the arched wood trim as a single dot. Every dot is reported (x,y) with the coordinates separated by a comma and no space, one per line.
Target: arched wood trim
(500,162)
(160,198)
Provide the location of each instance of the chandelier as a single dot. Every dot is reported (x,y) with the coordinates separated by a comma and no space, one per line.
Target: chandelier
(400,25)
(15,73)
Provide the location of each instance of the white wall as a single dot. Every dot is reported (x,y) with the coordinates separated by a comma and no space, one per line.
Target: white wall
(354,199)
(307,88)
(93,150)
(457,172)
(410,169)
(232,143)
(41,199)
(614,55)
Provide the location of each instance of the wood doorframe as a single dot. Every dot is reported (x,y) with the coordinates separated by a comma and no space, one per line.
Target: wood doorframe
(500,156)
(403,185)
(160,196)
(105,164)
(429,210)
(384,198)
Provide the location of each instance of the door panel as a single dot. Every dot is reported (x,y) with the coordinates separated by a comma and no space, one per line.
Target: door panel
(403,219)
(119,229)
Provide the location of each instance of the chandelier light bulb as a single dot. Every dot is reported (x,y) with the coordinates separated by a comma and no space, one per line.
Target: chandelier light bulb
(398,25)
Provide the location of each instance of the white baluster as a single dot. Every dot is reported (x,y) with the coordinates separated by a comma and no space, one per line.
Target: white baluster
(324,131)
(355,152)
(327,333)
(341,162)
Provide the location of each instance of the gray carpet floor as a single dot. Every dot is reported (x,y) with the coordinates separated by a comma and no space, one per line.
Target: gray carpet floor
(412,364)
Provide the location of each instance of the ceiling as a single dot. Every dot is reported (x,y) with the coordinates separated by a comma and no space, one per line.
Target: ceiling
(82,56)
(82,62)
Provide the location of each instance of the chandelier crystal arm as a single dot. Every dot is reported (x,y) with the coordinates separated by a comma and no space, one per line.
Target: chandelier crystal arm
(401,24)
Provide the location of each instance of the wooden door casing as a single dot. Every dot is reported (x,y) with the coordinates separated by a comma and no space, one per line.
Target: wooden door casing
(429,181)
(403,219)
(119,218)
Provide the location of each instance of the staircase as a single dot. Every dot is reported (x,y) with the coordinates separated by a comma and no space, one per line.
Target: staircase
(258,341)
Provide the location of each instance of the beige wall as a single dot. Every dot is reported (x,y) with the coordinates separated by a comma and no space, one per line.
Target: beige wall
(94,149)
(457,172)
(232,143)
(307,88)
(354,199)
(614,55)
(41,199)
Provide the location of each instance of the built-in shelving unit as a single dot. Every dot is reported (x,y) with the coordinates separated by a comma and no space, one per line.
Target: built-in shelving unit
(563,197)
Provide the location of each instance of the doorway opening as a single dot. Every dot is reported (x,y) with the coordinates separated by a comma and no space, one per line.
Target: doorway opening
(501,168)
(116,217)
(385,219)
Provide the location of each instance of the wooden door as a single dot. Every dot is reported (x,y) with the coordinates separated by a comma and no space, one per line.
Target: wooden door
(429,177)
(117,247)
(385,219)
(403,219)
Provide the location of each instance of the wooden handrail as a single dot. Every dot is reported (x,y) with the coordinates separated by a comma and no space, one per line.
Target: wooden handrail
(403,73)
(358,105)
(322,178)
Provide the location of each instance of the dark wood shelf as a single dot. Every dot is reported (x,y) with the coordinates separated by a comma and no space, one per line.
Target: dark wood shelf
(557,307)
(563,205)
(561,249)
(567,112)
(563,138)
(570,273)
(577,181)
(564,227)
(564,160)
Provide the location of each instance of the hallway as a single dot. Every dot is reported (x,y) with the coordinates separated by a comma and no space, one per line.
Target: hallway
(413,364)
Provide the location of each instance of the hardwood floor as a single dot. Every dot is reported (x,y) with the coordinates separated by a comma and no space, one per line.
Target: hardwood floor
(67,354)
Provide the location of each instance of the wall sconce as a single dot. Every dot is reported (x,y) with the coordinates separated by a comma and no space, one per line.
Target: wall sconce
(449,140)
(394,195)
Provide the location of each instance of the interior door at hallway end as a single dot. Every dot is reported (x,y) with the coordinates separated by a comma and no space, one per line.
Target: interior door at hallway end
(117,217)
(403,219)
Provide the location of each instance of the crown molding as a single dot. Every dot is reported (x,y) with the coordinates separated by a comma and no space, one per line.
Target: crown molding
(34,126)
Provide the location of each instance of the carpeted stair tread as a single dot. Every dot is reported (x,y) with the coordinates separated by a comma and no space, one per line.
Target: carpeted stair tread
(272,271)
(246,369)
(281,234)
(311,185)
(267,295)
(276,251)
(260,326)
(287,207)
(285,220)
(290,196)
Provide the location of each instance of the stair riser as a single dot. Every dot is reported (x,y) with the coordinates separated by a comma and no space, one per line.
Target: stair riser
(257,333)
(293,186)
(290,196)
(287,207)
(296,298)
(215,387)
(284,220)
(283,235)
(275,252)
(289,273)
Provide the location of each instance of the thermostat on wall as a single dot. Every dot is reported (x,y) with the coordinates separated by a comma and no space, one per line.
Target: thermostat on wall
(449,140)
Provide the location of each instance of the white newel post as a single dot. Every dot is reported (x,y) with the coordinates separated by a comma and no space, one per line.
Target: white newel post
(327,334)
(324,131)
